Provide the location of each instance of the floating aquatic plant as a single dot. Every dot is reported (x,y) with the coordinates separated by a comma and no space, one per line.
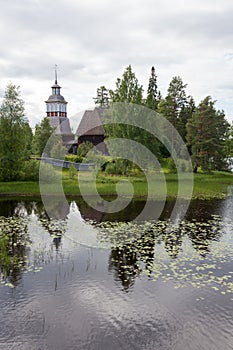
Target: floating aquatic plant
(14,242)
(189,253)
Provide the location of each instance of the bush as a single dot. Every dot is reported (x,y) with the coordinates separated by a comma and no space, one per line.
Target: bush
(58,151)
(169,165)
(182,165)
(47,173)
(73,158)
(84,148)
(30,171)
(116,167)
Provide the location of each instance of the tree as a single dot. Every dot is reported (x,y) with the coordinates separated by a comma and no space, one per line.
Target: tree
(175,100)
(43,133)
(15,134)
(153,96)
(58,151)
(185,114)
(177,108)
(206,135)
(102,99)
(84,148)
(127,88)
(29,138)
(125,114)
(229,142)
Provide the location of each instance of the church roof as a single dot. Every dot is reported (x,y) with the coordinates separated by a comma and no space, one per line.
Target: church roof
(56,85)
(56,98)
(91,123)
(62,124)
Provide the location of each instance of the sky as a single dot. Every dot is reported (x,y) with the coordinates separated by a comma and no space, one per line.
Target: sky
(92,42)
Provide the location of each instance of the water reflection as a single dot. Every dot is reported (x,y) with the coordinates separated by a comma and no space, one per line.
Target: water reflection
(90,298)
(73,221)
(14,249)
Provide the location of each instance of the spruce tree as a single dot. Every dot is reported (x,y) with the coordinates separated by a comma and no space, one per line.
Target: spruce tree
(152,98)
(102,98)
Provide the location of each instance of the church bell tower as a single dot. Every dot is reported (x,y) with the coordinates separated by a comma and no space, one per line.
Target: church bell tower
(56,104)
(57,114)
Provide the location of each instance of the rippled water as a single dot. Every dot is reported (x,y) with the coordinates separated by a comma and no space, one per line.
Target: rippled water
(85,285)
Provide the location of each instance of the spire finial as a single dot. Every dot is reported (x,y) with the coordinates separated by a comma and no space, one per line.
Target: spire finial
(55,73)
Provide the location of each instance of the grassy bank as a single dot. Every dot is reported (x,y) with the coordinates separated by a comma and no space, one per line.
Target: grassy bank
(215,185)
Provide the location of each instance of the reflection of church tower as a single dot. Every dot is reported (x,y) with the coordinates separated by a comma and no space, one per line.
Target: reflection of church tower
(57,114)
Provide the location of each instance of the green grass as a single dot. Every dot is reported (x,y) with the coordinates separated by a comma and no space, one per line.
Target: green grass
(206,186)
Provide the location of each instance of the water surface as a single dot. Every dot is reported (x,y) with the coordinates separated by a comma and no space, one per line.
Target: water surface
(85,281)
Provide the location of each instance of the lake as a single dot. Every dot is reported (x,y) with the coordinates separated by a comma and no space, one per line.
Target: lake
(85,279)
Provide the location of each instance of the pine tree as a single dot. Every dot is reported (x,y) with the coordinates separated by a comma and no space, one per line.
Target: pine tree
(15,134)
(206,135)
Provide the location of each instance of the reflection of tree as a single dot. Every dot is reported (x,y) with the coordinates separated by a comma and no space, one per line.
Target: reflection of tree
(55,226)
(172,241)
(56,229)
(133,252)
(203,234)
(124,262)
(14,241)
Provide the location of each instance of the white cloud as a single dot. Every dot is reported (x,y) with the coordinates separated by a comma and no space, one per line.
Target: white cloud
(92,42)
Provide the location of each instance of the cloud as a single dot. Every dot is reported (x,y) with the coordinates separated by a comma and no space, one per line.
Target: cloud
(92,42)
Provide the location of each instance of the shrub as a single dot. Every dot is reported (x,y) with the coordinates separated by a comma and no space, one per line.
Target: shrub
(116,167)
(30,171)
(169,165)
(84,148)
(73,158)
(47,173)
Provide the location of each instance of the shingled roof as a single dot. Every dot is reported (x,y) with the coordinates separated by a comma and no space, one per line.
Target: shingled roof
(61,124)
(91,123)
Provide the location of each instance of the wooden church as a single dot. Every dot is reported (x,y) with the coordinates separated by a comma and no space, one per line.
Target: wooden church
(90,128)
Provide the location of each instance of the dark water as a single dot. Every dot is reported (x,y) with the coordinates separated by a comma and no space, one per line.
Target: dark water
(84,285)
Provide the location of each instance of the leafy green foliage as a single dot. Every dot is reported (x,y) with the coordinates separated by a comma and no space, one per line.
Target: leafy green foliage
(15,134)
(73,158)
(127,88)
(58,151)
(30,170)
(14,240)
(43,133)
(84,148)
(48,174)
(116,167)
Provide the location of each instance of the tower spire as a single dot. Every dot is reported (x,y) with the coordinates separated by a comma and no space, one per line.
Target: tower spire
(55,73)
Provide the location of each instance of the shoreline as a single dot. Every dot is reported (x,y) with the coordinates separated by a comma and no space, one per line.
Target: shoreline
(217,185)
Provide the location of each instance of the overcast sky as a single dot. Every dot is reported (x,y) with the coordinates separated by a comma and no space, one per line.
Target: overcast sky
(93,41)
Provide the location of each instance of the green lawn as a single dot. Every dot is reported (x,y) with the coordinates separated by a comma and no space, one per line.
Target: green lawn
(216,185)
